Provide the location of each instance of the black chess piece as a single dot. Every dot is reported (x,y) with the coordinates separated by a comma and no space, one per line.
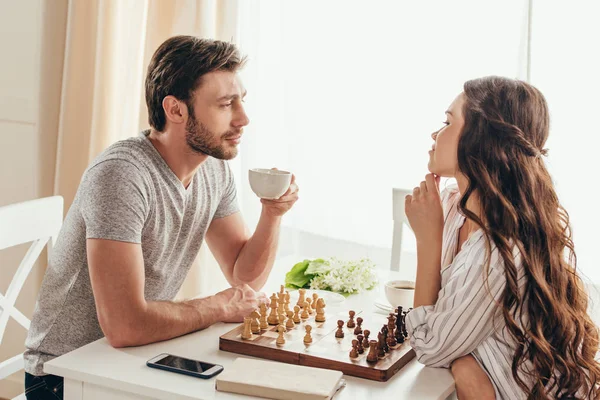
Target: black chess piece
(361,348)
(384,330)
(366,342)
(398,331)
(404,332)
(380,342)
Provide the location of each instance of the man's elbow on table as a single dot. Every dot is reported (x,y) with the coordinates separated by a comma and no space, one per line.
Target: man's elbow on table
(120,332)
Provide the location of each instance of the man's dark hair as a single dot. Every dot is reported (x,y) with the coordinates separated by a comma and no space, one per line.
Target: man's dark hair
(177,68)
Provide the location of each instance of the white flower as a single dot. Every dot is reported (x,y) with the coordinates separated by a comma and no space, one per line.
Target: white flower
(343,276)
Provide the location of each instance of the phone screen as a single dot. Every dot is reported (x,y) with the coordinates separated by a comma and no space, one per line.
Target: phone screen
(184,363)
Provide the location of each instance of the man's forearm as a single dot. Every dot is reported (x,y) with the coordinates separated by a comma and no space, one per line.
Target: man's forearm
(428,273)
(163,320)
(256,259)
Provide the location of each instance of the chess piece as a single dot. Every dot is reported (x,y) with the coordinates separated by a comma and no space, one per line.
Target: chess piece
(247,332)
(366,342)
(361,349)
(296,314)
(384,330)
(281,316)
(372,356)
(281,303)
(304,314)
(308,307)
(354,351)
(380,342)
(308,337)
(391,339)
(398,331)
(287,302)
(255,326)
(340,330)
(404,332)
(263,316)
(281,289)
(289,324)
(301,293)
(280,339)
(273,319)
(315,300)
(358,329)
(320,311)
(351,323)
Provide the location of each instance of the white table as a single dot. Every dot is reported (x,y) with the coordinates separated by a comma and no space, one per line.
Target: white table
(99,371)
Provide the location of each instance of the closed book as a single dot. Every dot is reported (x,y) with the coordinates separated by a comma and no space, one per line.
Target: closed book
(273,380)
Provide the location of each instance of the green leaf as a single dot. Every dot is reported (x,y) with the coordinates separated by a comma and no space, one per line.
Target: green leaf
(297,278)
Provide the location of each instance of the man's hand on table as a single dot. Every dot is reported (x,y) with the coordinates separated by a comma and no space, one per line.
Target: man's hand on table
(239,302)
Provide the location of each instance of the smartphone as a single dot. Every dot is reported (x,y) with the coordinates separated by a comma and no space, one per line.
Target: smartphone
(185,366)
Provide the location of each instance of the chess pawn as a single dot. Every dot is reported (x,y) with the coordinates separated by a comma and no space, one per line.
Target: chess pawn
(308,307)
(305,314)
(351,323)
(289,324)
(247,332)
(263,316)
(301,293)
(358,329)
(315,299)
(280,339)
(354,351)
(255,326)
(296,314)
(366,342)
(340,330)
(361,349)
(308,337)
(320,311)
(372,356)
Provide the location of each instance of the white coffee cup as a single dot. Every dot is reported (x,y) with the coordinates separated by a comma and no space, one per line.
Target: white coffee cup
(269,184)
(400,293)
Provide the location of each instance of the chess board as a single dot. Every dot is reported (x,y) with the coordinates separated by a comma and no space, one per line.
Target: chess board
(325,351)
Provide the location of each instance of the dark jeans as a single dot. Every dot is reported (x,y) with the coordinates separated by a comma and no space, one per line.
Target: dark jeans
(47,387)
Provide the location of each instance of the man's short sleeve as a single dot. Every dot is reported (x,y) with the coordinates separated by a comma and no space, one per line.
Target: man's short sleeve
(228,204)
(114,201)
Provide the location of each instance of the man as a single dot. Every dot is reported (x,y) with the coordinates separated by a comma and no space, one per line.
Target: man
(141,212)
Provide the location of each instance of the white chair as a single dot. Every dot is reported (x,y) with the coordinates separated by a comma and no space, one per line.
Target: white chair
(399,216)
(36,221)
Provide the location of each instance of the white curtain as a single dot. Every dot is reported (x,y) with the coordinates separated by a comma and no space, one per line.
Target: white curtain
(107,47)
(346,94)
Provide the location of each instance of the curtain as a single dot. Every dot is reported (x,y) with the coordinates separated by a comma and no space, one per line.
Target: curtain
(108,45)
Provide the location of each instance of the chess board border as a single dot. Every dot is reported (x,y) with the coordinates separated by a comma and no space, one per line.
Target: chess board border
(232,342)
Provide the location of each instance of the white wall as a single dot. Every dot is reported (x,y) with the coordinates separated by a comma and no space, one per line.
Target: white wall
(27,135)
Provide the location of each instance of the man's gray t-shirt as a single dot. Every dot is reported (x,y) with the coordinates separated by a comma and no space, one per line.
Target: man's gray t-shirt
(128,194)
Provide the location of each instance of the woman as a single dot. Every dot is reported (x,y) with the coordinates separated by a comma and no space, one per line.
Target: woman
(504,303)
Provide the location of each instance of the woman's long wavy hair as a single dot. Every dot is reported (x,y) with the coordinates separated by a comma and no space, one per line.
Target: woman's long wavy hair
(499,151)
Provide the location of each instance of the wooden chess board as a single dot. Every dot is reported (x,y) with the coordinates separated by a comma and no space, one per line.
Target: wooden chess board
(325,351)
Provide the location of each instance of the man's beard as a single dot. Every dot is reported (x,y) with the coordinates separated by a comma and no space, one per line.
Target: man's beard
(202,140)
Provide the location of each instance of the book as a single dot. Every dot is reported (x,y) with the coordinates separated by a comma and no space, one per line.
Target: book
(273,380)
